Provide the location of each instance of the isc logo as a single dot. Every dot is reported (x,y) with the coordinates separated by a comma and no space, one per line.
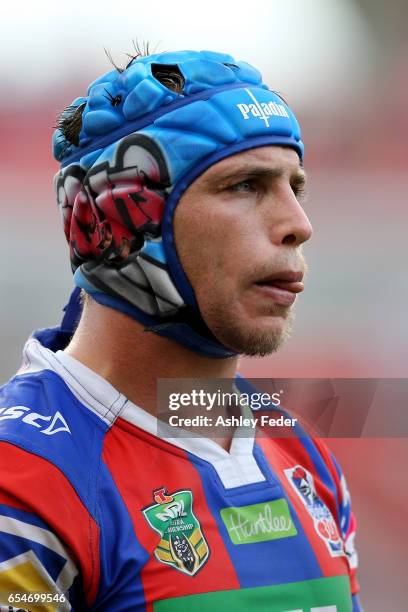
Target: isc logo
(48,425)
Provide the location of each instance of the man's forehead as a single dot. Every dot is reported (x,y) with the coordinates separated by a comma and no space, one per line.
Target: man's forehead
(270,158)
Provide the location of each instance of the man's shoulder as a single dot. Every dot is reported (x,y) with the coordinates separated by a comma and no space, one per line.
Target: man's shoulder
(44,416)
(36,405)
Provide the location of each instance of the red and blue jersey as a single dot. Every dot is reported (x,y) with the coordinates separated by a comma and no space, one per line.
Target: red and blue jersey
(96,506)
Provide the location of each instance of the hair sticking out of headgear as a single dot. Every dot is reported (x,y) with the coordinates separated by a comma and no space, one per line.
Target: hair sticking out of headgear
(140,50)
(69,123)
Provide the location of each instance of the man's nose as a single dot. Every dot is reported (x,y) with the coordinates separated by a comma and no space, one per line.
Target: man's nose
(289,224)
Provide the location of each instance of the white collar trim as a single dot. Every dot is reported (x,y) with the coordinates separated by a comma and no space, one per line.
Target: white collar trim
(235,468)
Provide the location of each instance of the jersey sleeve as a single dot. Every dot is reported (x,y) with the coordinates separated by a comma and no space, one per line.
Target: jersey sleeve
(346,518)
(47,538)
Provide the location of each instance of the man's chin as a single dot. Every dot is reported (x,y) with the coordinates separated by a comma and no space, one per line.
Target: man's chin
(261,345)
(260,340)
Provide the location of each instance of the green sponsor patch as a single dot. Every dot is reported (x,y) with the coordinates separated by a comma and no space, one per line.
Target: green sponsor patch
(320,595)
(259,522)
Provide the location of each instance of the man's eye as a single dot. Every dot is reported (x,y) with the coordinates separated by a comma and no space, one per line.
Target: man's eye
(247,185)
(300,192)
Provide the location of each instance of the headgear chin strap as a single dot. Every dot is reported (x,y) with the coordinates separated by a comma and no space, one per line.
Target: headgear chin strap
(140,147)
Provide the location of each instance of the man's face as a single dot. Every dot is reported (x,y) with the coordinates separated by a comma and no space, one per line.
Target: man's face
(238,230)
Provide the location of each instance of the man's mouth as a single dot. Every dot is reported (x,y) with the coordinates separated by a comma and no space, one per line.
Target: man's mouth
(282,287)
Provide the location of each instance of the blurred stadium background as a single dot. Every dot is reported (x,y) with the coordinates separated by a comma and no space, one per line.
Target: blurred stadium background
(343,67)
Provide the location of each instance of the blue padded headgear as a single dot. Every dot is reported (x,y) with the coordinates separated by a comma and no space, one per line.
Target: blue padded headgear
(140,146)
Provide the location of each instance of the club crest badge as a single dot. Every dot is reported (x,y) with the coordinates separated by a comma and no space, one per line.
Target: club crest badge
(324,523)
(182,544)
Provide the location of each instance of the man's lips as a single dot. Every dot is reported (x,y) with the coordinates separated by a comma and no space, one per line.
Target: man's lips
(281,287)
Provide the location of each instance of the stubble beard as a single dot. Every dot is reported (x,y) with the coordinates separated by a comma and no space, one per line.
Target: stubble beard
(252,341)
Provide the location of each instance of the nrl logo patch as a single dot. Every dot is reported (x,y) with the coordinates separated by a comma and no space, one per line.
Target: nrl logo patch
(182,543)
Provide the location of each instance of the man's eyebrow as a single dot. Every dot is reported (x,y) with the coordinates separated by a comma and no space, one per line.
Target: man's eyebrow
(299,177)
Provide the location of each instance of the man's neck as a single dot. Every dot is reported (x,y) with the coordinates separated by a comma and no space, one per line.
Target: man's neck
(117,348)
